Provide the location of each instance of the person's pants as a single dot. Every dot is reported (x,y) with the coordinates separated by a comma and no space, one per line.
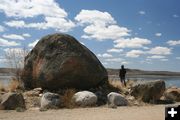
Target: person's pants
(123,80)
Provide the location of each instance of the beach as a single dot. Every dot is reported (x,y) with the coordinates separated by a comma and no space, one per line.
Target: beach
(152,112)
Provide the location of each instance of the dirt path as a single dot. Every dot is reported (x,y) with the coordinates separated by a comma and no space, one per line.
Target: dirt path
(100,113)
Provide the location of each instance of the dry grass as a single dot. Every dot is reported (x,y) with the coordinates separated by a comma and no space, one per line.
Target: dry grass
(67,98)
(2,87)
(13,85)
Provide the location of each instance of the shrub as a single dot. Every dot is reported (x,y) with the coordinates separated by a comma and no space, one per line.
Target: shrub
(67,98)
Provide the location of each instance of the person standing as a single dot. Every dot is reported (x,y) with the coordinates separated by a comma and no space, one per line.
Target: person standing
(122,75)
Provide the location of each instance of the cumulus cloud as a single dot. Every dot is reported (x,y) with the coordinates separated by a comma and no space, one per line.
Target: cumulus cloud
(173,42)
(114,50)
(100,25)
(2,28)
(160,50)
(142,12)
(5,43)
(131,42)
(26,35)
(158,34)
(13,36)
(178,58)
(31,45)
(134,53)
(156,57)
(105,55)
(114,59)
(54,16)
(175,16)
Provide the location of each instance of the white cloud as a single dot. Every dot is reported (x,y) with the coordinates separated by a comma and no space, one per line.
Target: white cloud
(105,55)
(178,58)
(175,16)
(156,57)
(142,12)
(160,50)
(164,60)
(100,25)
(131,42)
(114,59)
(16,23)
(173,42)
(13,36)
(2,28)
(124,63)
(134,53)
(54,16)
(26,35)
(114,50)
(158,34)
(33,43)
(6,43)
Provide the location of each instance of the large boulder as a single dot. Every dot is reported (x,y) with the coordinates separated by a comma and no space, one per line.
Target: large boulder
(50,101)
(172,93)
(116,99)
(60,61)
(12,100)
(84,98)
(148,91)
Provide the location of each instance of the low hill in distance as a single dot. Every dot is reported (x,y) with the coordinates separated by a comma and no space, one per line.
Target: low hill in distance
(133,72)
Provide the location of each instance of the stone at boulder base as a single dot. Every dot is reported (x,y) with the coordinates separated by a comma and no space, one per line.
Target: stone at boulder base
(148,91)
(172,94)
(50,101)
(116,99)
(60,61)
(84,98)
(12,100)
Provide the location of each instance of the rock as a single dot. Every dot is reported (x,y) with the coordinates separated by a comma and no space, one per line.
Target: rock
(148,91)
(60,61)
(116,99)
(50,101)
(12,100)
(172,94)
(34,92)
(84,98)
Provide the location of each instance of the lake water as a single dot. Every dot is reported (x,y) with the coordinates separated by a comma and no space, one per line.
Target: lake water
(169,80)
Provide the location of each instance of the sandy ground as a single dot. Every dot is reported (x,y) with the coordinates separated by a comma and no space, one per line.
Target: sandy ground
(97,113)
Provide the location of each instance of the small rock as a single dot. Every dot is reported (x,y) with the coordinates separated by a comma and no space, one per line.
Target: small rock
(84,98)
(12,100)
(148,91)
(116,99)
(50,101)
(172,93)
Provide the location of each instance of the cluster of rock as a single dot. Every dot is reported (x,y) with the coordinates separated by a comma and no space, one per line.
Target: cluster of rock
(145,92)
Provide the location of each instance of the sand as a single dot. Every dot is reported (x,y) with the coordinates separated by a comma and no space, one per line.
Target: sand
(155,112)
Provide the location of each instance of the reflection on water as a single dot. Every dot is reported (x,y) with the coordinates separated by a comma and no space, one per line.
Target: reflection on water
(169,80)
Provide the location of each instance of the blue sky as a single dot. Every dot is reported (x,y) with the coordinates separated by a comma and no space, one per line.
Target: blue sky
(142,34)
